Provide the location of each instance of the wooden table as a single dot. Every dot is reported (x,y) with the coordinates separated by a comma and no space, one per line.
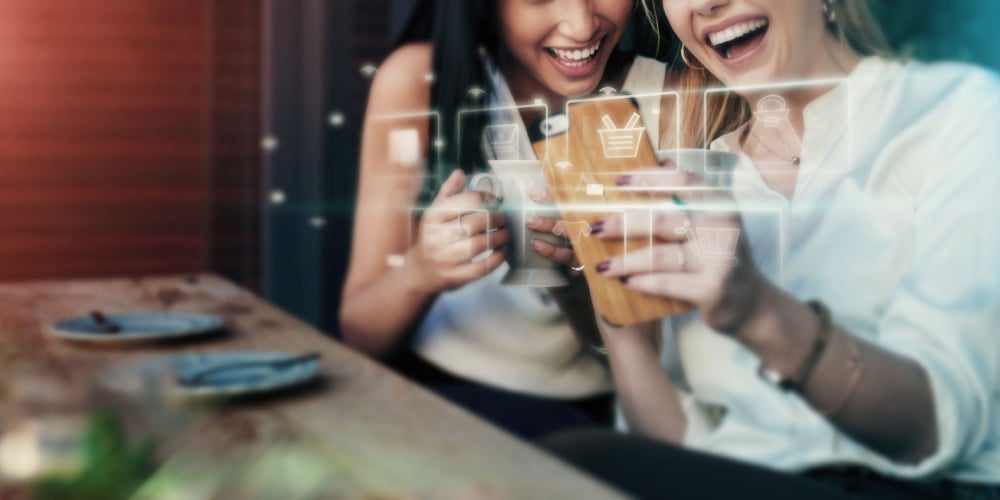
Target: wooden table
(362,432)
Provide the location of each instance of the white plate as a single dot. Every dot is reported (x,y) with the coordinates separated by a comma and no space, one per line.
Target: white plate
(140,327)
(165,373)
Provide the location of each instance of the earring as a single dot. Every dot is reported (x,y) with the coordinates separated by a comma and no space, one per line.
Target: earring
(829,12)
(685,59)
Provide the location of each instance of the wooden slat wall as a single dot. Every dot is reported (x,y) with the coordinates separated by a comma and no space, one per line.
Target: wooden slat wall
(106,137)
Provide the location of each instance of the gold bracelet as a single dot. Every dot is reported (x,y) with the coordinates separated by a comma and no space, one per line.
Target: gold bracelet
(857,366)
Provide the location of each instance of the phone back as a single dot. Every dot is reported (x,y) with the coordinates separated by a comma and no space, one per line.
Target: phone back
(583,154)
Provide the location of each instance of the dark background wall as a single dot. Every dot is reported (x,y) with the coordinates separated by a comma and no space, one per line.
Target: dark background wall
(124,132)
(314,101)
(939,29)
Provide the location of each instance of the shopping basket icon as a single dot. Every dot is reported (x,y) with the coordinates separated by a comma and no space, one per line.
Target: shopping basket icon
(716,246)
(621,142)
(502,140)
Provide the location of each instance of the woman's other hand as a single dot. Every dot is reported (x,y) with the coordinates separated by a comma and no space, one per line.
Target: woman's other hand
(699,254)
(458,241)
(560,254)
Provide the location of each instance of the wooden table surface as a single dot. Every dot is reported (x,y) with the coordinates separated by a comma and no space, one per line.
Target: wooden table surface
(359,432)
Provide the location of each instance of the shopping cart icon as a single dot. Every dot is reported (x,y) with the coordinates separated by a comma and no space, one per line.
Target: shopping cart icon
(716,246)
(502,140)
(621,142)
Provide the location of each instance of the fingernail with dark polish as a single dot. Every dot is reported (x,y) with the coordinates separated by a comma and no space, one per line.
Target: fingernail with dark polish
(624,180)
(624,279)
(597,227)
(603,266)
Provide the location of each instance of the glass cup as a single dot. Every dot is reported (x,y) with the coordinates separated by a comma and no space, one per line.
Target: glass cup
(509,182)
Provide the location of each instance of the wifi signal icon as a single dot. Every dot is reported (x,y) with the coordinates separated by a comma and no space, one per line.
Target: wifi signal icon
(368,70)
(476,93)
(564,165)
(608,91)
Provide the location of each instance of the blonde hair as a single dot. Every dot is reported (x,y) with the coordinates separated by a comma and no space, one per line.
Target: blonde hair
(724,111)
(857,29)
(706,116)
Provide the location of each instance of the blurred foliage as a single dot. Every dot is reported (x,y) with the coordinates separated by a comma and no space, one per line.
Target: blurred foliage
(112,469)
(933,30)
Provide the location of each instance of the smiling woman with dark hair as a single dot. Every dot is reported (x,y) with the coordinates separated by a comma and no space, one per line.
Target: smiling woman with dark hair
(507,353)
(868,363)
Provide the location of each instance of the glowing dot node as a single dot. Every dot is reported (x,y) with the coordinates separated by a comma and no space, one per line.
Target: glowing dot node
(269,143)
(277,197)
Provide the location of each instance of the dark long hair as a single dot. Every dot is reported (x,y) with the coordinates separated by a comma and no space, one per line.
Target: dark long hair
(458,31)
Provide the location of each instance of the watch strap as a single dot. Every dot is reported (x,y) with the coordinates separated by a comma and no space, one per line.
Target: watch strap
(823,333)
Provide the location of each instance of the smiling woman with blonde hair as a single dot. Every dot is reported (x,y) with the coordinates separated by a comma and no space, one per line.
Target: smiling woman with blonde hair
(866,364)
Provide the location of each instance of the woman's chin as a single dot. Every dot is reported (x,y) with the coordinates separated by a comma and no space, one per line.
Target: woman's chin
(575,89)
(750,77)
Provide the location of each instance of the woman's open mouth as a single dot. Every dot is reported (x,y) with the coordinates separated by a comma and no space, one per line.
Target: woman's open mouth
(576,62)
(738,40)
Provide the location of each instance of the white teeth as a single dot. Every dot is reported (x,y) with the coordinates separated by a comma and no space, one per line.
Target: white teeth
(733,32)
(577,54)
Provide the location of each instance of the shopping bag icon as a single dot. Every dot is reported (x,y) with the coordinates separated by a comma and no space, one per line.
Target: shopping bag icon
(621,142)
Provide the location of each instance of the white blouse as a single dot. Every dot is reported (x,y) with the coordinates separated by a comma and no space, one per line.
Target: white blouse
(894,225)
(517,338)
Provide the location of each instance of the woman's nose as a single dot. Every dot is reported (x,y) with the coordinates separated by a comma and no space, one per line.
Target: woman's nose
(579,20)
(707,8)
